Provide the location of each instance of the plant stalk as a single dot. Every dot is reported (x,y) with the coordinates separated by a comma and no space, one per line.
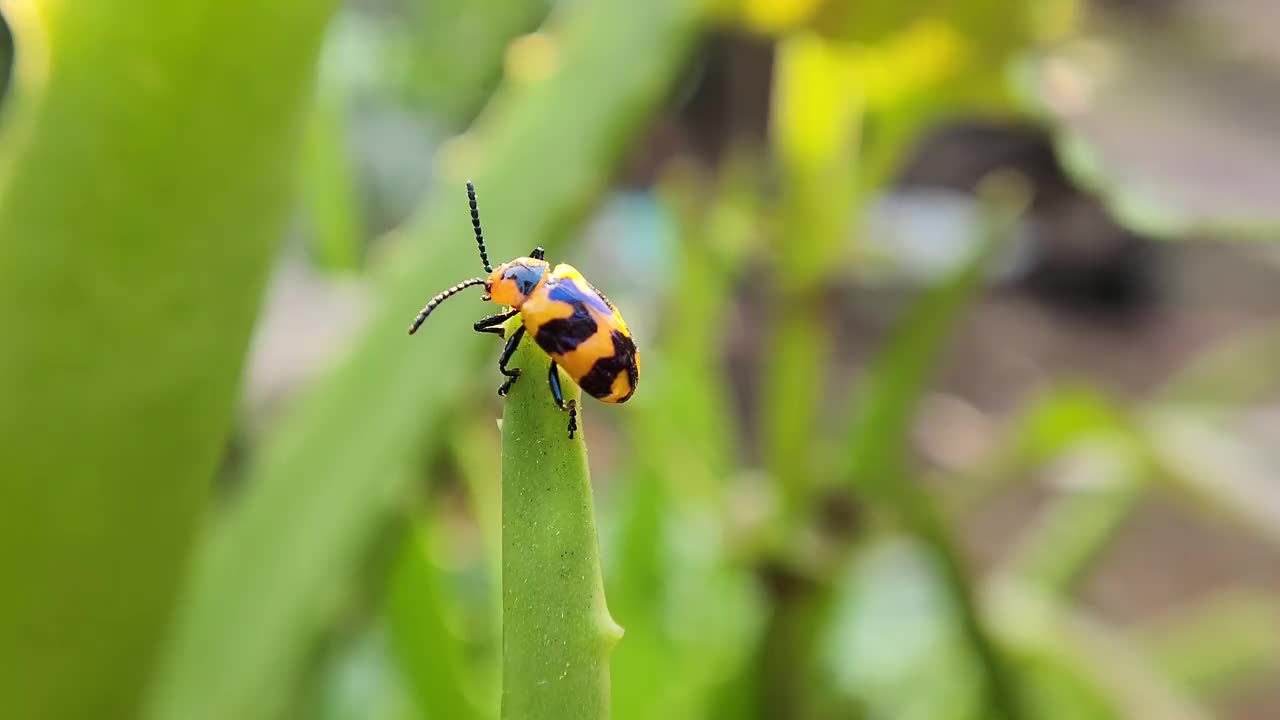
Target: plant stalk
(557,633)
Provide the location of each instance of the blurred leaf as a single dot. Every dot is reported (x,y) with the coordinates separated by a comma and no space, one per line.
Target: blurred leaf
(884,408)
(882,426)
(868,22)
(1218,644)
(330,188)
(768,16)
(815,122)
(1060,546)
(1237,371)
(815,126)
(316,492)
(362,684)
(920,57)
(1102,469)
(918,67)
(690,608)
(144,176)
(428,651)
(455,49)
(1057,687)
(893,642)
(816,111)
(1172,123)
(692,619)
(1068,649)
(1216,469)
(691,409)
(1054,423)
(1065,417)
(477,451)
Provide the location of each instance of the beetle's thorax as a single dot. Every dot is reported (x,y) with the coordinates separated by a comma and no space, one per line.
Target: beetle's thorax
(511,283)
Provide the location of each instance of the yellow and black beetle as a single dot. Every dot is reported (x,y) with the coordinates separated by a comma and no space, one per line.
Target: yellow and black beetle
(569,319)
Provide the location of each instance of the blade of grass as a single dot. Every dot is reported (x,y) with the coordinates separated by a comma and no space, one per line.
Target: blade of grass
(1214,469)
(1214,645)
(1036,621)
(557,634)
(878,440)
(1111,471)
(333,199)
(145,172)
(1060,547)
(815,129)
(1062,544)
(316,491)
(1054,423)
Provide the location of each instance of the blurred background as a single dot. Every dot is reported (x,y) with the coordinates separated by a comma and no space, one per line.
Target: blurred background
(958,322)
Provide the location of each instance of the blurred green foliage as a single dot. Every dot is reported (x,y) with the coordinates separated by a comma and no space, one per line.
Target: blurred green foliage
(771,538)
(145,174)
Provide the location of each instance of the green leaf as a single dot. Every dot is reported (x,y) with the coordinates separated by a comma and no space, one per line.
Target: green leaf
(333,200)
(319,489)
(557,634)
(1166,126)
(455,49)
(893,644)
(145,169)
(361,683)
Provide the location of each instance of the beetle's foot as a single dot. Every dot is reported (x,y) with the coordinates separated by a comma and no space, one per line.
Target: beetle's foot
(511,380)
(573,417)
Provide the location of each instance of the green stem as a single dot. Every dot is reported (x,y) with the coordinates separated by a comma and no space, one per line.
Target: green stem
(557,633)
(1063,543)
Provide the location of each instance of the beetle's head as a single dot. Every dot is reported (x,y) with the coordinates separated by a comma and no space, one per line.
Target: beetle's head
(512,282)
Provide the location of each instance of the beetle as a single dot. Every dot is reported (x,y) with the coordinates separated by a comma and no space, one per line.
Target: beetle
(572,321)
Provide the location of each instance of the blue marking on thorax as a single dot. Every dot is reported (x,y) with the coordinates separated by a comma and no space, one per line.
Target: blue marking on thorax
(525,277)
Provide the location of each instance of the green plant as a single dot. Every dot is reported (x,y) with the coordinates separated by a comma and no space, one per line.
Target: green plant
(557,634)
(317,491)
(144,177)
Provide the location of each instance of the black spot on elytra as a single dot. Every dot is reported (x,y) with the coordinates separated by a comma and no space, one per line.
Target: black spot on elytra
(598,383)
(565,334)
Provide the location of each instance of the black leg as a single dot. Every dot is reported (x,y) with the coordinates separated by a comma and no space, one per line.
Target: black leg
(538,254)
(512,374)
(553,379)
(493,323)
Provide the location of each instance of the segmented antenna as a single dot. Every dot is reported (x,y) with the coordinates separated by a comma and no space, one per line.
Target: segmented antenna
(475,223)
(431,304)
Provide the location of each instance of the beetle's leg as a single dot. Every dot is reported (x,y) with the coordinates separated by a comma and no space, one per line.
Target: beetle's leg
(553,379)
(512,374)
(538,254)
(493,323)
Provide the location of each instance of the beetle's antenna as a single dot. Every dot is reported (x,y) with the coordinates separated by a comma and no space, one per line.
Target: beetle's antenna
(431,305)
(475,223)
